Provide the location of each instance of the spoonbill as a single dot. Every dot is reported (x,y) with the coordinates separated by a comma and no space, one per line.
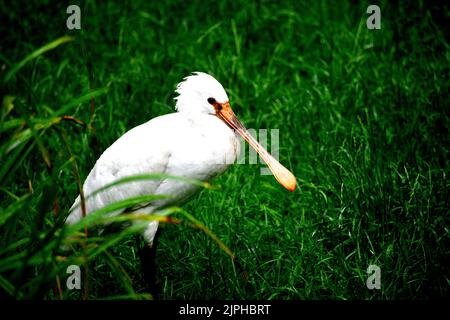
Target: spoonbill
(199,141)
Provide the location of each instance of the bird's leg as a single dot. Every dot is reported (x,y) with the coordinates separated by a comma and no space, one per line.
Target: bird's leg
(148,262)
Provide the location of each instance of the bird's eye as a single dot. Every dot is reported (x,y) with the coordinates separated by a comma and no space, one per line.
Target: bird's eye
(211,100)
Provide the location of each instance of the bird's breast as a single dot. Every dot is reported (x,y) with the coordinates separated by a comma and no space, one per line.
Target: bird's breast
(206,148)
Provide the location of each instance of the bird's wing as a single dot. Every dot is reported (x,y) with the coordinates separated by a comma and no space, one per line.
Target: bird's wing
(140,151)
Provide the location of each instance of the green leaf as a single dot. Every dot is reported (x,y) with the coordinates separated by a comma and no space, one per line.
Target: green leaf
(8,212)
(84,98)
(35,54)
(8,286)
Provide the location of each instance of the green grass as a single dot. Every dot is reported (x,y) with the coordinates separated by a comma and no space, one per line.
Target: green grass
(364,125)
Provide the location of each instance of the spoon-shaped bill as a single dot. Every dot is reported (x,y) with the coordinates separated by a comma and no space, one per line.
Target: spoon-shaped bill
(283,175)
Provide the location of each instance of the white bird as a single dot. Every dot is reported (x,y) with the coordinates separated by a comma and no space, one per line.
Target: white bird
(199,141)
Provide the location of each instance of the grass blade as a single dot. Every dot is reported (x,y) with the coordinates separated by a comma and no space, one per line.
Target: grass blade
(35,54)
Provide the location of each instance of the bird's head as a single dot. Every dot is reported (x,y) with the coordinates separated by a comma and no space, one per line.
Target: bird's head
(201,93)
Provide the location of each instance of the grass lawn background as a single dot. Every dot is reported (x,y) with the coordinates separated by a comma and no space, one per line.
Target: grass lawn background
(363,118)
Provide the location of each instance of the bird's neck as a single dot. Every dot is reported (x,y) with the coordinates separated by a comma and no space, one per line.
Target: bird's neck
(206,121)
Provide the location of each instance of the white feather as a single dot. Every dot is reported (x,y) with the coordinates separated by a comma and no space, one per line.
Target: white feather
(191,143)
